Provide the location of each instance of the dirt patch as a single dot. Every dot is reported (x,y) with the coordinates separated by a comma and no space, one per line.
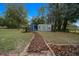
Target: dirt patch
(65,50)
(42,53)
(9,53)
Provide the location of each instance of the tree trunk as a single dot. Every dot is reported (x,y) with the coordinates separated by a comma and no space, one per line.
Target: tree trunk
(55,25)
(59,25)
(64,25)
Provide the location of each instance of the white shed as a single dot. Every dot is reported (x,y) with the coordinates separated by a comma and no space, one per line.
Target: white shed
(44,27)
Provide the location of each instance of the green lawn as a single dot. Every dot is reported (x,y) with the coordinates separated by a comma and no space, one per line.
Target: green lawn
(61,37)
(13,39)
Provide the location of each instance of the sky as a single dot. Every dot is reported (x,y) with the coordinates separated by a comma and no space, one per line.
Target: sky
(31,9)
(77,23)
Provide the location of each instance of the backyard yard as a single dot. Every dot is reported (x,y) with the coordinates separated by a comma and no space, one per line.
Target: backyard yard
(13,41)
(61,37)
(39,29)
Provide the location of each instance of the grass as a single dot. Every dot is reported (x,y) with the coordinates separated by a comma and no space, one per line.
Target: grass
(61,37)
(12,39)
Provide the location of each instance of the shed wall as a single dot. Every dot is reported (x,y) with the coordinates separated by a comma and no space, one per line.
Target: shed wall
(44,27)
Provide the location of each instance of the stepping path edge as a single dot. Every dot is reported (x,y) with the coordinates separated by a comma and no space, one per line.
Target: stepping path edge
(23,53)
(52,52)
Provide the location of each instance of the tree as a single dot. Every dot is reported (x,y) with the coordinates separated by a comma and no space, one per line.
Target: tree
(40,19)
(54,16)
(2,21)
(15,15)
(62,14)
(41,14)
(41,11)
(36,20)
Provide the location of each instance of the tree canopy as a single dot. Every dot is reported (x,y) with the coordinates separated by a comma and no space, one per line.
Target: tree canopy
(15,15)
(60,15)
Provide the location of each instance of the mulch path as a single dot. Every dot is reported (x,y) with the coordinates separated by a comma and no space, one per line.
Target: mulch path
(38,46)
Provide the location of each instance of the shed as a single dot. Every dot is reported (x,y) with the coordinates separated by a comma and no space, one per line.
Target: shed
(44,27)
(33,27)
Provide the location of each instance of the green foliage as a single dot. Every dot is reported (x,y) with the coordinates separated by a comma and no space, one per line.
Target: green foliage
(37,21)
(40,19)
(62,14)
(34,21)
(15,15)
(41,11)
(2,21)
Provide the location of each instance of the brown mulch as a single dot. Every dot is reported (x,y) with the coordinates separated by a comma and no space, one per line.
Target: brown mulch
(42,53)
(65,50)
(37,44)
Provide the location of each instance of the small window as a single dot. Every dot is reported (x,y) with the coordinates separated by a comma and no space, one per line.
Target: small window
(39,26)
